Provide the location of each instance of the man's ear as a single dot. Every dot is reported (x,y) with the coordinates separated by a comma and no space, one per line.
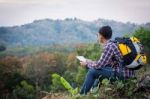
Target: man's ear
(101,38)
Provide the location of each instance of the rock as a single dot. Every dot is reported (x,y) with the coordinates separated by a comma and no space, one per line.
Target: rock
(144,83)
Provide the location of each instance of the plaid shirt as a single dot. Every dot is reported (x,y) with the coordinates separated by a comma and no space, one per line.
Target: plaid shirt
(111,56)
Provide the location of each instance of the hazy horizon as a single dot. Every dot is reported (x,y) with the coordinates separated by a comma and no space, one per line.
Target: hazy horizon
(18,12)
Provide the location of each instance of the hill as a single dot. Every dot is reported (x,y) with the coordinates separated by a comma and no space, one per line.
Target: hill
(59,32)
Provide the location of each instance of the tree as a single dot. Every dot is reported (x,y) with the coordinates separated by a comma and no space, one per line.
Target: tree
(10,75)
(41,66)
(24,90)
(2,48)
(71,62)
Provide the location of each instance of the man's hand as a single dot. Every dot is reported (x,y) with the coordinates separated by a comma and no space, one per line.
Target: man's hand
(88,60)
(83,64)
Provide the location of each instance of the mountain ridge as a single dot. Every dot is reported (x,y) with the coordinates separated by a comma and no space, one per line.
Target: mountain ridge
(67,31)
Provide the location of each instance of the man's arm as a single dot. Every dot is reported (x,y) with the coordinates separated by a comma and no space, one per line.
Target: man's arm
(104,59)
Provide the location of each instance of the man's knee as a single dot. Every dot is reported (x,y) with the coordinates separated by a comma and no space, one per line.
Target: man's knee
(92,72)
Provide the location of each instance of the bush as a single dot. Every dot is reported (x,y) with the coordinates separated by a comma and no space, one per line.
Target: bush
(56,83)
(24,91)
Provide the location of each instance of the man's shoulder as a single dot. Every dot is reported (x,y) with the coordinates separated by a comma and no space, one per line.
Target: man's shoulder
(111,44)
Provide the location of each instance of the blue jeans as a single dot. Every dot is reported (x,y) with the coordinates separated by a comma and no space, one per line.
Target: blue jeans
(94,74)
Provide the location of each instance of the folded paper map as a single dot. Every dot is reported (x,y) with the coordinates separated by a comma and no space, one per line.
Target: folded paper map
(81,58)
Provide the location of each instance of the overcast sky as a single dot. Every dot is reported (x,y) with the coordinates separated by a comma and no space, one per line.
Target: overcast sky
(17,12)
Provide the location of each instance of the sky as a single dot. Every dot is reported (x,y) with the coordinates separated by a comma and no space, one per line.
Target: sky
(18,12)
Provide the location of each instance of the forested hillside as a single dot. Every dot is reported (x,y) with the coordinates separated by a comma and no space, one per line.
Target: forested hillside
(51,32)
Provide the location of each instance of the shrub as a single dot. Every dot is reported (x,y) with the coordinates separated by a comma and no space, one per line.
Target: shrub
(56,83)
(24,91)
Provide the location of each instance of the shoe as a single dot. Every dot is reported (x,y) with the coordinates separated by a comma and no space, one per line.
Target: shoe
(79,96)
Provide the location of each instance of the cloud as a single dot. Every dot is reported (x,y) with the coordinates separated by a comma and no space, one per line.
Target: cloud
(24,11)
(50,2)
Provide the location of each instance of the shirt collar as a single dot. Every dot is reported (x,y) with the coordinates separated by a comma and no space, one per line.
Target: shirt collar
(105,44)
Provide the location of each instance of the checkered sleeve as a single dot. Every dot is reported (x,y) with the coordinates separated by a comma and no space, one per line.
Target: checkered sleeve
(104,59)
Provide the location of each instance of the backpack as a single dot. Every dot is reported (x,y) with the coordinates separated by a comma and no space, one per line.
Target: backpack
(132,51)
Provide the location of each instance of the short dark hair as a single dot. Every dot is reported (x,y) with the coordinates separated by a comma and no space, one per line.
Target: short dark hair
(106,32)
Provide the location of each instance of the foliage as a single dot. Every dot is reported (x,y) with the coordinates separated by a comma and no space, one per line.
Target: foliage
(70,76)
(119,88)
(56,83)
(80,75)
(71,62)
(30,50)
(69,87)
(43,64)
(10,76)
(90,51)
(24,91)
(105,82)
(58,80)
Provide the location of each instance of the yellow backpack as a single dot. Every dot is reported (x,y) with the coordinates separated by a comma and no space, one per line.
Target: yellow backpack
(132,51)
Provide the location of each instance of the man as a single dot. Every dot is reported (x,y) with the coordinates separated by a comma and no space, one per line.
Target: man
(108,66)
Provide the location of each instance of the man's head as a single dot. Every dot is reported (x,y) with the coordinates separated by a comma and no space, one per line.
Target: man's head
(105,33)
